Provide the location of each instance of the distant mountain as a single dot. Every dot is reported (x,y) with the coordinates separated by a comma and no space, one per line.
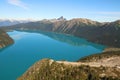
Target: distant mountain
(54,20)
(61,18)
(5,40)
(99,67)
(12,22)
(103,33)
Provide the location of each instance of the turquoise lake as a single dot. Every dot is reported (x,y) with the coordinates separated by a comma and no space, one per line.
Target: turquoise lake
(30,47)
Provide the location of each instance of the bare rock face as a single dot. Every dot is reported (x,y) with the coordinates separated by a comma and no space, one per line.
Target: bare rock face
(61,18)
(5,40)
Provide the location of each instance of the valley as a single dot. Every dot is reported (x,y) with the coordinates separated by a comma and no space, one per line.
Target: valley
(104,33)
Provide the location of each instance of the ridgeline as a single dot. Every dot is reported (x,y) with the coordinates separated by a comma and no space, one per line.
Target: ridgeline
(103,33)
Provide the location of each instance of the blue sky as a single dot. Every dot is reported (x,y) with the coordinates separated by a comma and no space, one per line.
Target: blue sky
(100,10)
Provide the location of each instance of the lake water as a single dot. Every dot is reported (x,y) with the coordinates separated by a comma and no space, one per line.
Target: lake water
(30,47)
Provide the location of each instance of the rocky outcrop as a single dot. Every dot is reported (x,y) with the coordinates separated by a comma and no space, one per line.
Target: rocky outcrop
(5,40)
(104,55)
(61,18)
(98,67)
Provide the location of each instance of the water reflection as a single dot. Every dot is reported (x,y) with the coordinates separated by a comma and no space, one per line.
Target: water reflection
(69,39)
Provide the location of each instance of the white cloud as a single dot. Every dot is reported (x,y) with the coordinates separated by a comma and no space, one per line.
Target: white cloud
(18,3)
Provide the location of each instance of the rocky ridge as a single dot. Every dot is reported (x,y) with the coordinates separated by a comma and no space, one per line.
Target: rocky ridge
(105,68)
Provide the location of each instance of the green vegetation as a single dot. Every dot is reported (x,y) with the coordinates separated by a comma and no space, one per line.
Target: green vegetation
(4,39)
(47,69)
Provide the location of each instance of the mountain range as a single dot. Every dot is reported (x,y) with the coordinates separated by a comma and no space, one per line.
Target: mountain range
(8,22)
(106,33)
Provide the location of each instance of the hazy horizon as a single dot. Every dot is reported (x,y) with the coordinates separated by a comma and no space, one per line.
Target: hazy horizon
(51,19)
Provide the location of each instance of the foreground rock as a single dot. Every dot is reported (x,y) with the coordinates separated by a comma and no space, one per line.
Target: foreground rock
(5,40)
(105,66)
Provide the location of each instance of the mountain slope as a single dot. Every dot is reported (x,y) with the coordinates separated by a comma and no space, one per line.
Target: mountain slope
(102,33)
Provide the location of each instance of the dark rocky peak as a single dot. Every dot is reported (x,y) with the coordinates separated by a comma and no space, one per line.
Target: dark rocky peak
(61,18)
